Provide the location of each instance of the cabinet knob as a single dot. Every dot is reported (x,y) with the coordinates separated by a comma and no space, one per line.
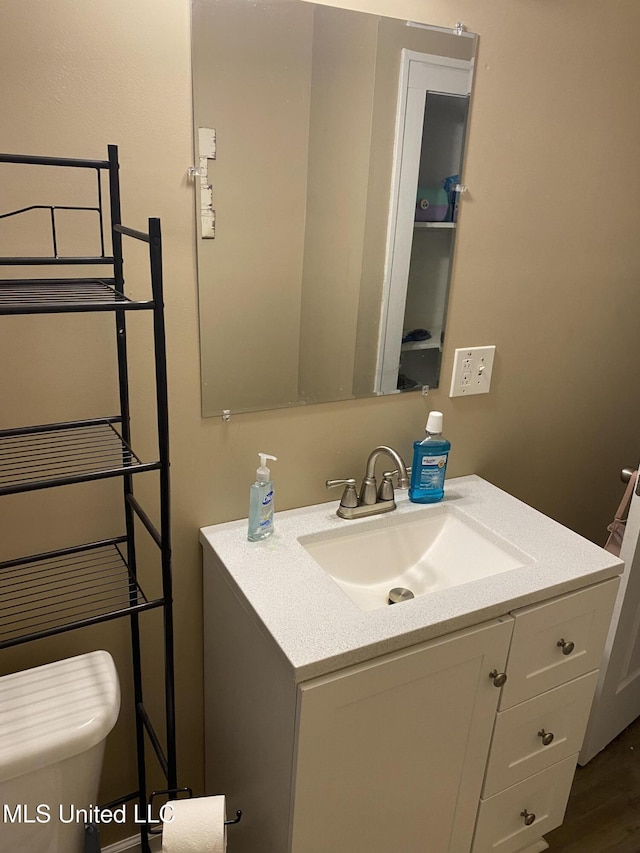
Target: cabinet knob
(529,817)
(547,737)
(499,678)
(567,647)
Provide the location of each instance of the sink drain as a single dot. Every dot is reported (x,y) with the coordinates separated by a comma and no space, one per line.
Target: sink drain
(398,594)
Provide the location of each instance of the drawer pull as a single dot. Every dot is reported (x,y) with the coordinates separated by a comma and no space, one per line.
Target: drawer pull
(529,817)
(499,678)
(567,647)
(547,737)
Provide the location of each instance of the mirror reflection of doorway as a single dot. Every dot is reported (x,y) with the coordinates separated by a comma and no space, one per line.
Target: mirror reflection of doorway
(433,107)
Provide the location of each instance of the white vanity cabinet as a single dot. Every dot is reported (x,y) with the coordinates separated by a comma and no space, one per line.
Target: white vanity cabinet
(413,750)
(395,753)
(447,724)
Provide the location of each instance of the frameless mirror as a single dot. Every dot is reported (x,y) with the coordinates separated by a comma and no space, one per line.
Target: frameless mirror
(329,149)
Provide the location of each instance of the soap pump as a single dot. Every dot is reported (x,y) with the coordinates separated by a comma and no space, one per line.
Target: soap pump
(261,502)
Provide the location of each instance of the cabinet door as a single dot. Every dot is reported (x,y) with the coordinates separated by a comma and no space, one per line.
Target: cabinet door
(558,640)
(391,754)
(538,733)
(517,817)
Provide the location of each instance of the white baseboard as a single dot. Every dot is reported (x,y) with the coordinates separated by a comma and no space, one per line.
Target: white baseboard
(132,845)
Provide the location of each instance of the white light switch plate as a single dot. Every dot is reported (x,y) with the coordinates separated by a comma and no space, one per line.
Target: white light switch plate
(472,369)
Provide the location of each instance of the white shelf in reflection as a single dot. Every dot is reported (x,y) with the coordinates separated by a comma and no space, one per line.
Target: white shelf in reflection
(434,224)
(431,343)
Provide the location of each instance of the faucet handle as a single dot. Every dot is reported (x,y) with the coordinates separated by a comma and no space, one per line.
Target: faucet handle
(385,492)
(403,483)
(349,496)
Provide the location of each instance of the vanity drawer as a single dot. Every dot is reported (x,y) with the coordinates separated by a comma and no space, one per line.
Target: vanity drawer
(556,641)
(501,826)
(518,749)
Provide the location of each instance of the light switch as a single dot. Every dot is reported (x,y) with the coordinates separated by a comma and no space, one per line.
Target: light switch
(472,368)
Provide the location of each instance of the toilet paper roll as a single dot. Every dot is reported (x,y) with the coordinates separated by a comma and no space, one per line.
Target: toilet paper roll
(195,826)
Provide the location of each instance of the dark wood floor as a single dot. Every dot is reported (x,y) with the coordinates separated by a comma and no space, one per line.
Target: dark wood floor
(603,815)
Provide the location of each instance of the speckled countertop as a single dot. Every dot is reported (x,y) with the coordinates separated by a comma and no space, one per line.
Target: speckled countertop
(319,629)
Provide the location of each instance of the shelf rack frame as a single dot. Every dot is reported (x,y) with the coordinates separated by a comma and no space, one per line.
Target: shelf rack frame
(70,588)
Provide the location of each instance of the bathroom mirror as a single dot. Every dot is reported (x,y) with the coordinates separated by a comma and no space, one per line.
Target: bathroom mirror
(321,210)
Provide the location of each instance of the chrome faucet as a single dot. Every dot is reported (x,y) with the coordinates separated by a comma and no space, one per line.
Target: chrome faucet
(372,500)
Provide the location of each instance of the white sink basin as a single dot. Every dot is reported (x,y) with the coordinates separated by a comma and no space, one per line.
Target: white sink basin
(423,552)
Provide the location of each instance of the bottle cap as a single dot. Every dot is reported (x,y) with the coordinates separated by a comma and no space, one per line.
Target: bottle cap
(434,423)
(263,474)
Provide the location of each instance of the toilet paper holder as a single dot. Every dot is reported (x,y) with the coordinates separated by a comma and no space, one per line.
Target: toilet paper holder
(236,819)
(173,794)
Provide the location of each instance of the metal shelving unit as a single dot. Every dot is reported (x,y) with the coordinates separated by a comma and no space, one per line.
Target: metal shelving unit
(87,583)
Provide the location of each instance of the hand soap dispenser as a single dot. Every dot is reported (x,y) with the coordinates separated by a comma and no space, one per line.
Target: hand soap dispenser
(261,502)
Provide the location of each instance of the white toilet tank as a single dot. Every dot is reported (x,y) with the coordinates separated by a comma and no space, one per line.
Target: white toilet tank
(53,723)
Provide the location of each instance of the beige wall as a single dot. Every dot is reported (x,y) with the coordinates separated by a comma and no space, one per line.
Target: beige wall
(547,266)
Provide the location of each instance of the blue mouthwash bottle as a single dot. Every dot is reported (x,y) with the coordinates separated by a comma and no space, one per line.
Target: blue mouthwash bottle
(261,502)
(430,458)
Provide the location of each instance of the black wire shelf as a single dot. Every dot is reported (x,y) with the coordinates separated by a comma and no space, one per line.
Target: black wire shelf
(67,589)
(63,590)
(64,295)
(41,457)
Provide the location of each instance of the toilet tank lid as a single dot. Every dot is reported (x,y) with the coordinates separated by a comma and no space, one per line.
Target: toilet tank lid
(56,711)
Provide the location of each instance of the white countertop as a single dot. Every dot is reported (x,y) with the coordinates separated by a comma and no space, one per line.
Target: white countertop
(319,629)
